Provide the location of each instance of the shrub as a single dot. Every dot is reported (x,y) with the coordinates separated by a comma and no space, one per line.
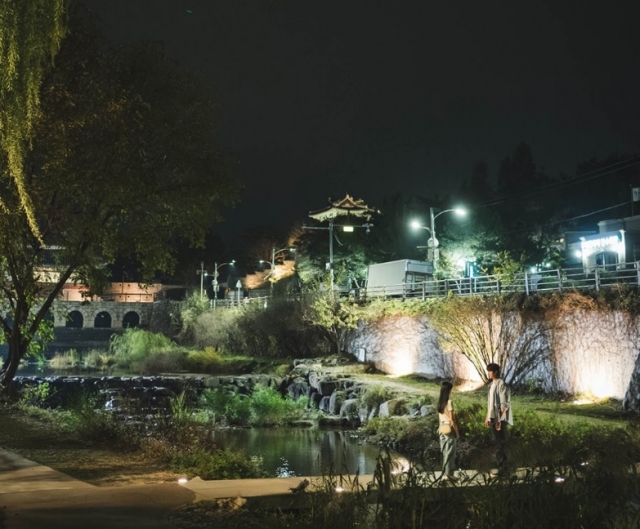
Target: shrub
(277,331)
(207,360)
(163,362)
(268,407)
(374,395)
(219,464)
(226,405)
(410,435)
(99,426)
(35,395)
(64,361)
(134,346)
(264,407)
(99,360)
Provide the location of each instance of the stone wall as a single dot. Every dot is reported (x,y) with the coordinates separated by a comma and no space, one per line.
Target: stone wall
(89,310)
(593,352)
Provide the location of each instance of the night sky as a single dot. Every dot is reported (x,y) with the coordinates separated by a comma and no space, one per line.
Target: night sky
(319,98)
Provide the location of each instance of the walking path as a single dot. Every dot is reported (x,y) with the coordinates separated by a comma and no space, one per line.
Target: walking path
(33,495)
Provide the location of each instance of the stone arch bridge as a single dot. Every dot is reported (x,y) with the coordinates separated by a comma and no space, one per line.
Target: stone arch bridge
(100,314)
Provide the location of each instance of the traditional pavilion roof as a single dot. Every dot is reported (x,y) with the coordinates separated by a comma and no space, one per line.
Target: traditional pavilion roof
(342,208)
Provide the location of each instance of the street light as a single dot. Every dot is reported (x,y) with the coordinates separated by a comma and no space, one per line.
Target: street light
(202,273)
(367,226)
(433,243)
(214,283)
(275,252)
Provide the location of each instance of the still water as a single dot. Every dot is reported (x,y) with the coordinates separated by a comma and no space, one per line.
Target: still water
(303,451)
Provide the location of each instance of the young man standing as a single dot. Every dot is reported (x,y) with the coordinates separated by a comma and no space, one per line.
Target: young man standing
(498,413)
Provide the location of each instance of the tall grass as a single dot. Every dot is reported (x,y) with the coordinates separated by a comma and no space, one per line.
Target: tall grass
(65,361)
(265,407)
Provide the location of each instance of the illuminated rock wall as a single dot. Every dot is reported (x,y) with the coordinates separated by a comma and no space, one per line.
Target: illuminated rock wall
(592,353)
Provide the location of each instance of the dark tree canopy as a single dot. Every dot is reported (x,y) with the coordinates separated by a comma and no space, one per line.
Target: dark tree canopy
(123,160)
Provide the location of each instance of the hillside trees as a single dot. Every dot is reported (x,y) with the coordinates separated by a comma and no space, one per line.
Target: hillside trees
(122,160)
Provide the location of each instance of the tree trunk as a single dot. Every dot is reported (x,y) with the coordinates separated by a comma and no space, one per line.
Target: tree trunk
(17,351)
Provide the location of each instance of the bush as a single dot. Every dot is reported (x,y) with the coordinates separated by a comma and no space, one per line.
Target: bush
(402,433)
(65,361)
(226,405)
(265,407)
(98,360)
(207,360)
(219,464)
(132,348)
(100,426)
(35,396)
(268,407)
(278,331)
(374,395)
(163,362)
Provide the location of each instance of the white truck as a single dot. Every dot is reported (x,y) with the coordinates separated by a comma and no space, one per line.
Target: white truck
(398,278)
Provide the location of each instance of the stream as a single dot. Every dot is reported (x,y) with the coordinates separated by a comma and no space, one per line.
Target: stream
(288,452)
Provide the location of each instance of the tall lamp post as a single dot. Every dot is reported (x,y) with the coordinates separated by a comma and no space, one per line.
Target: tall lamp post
(433,243)
(214,283)
(202,273)
(275,252)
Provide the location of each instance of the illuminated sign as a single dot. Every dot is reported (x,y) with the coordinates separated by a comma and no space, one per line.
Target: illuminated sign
(601,242)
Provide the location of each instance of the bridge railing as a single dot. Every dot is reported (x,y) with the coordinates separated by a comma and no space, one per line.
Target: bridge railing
(524,282)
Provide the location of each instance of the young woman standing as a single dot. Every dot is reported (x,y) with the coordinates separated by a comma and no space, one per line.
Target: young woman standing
(448,431)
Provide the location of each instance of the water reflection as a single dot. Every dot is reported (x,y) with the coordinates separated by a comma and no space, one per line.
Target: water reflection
(302,452)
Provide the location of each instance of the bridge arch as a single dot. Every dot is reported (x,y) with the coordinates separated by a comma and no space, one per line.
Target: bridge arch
(75,319)
(102,320)
(131,319)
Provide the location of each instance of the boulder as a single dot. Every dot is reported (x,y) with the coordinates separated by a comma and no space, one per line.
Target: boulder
(427,410)
(212,382)
(314,380)
(393,407)
(335,402)
(324,403)
(327,386)
(298,388)
(349,409)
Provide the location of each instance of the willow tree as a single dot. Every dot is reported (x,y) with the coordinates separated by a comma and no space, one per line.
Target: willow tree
(122,162)
(30,35)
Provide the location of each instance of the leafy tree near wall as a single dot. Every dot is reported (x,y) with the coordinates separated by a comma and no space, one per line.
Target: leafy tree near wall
(122,161)
(487,329)
(30,37)
(333,317)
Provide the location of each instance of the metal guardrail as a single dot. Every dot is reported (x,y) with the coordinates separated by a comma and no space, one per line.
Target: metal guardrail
(524,282)
(232,303)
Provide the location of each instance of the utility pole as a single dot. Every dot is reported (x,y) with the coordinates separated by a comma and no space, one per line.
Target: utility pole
(202,273)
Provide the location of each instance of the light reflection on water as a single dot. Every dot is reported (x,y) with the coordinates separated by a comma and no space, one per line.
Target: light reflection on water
(302,451)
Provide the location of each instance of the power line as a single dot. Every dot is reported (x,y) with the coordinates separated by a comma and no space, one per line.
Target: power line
(569,219)
(586,177)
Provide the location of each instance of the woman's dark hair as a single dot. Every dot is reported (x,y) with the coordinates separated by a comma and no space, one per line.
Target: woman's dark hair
(445,391)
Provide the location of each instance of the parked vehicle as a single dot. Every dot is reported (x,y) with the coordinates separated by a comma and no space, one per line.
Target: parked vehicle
(398,278)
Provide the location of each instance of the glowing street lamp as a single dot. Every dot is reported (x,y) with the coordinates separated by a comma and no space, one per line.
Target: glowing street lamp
(214,283)
(275,252)
(433,243)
